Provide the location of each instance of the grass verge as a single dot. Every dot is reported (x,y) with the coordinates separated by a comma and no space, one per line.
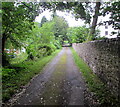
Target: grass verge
(94,84)
(20,74)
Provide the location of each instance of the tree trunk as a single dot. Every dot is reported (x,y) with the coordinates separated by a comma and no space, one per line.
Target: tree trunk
(95,18)
(3,42)
(4,60)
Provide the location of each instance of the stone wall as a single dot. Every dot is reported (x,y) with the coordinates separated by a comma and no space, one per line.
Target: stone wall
(103,58)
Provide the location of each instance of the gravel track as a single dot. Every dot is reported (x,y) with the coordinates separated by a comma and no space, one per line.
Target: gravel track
(60,83)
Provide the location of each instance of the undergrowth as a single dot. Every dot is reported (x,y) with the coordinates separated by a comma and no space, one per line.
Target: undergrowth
(19,74)
(20,58)
(94,84)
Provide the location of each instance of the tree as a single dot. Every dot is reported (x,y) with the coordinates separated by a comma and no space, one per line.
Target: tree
(81,34)
(43,20)
(14,27)
(85,11)
(79,9)
(95,18)
(40,41)
(77,34)
(113,10)
(60,28)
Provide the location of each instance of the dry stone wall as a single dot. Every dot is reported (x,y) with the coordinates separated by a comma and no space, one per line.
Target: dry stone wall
(103,58)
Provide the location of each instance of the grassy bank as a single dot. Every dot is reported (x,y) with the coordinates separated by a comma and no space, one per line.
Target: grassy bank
(21,73)
(94,84)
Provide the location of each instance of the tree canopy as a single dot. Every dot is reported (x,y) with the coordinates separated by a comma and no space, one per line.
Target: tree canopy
(114,11)
(20,30)
(43,20)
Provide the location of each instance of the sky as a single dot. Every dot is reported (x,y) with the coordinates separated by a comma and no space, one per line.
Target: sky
(74,23)
(68,16)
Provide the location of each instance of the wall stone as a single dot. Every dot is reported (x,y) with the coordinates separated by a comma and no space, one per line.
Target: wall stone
(103,57)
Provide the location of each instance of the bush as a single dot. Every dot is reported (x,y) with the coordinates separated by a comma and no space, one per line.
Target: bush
(46,49)
(57,44)
(39,50)
(7,74)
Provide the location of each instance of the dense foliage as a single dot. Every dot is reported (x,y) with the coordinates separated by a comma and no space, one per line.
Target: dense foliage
(81,34)
(17,21)
(60,28)
(38,39)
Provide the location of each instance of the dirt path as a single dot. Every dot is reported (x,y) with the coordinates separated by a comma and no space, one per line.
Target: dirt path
(60,83)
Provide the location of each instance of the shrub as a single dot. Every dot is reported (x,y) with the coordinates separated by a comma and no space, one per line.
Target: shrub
(40,50)
(7,74)
(46,49)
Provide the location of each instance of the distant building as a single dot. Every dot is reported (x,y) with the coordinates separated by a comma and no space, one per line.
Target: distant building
(106,30)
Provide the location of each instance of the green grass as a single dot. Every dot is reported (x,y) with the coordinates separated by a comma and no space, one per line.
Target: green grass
(21,73)
(93,82)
